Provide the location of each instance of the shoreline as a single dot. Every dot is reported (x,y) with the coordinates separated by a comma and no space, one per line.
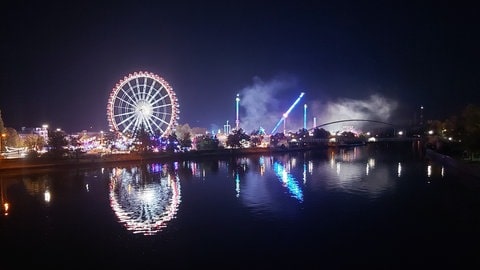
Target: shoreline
(471,169)
(88,161)
(91,160)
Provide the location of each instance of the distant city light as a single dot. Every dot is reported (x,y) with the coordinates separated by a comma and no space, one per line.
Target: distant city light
(47,196)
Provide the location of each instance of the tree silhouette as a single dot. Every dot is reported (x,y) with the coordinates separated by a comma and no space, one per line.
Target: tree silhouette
(235,139)
(143,142)
(277,139)
(57,143)
(34,142)
(471,128)
(320,133)
(172,143)
(205,142)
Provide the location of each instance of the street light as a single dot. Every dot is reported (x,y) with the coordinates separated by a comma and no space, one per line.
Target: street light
(2,141)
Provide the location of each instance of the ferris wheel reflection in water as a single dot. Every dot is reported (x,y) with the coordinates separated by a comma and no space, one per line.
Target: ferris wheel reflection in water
(145,199)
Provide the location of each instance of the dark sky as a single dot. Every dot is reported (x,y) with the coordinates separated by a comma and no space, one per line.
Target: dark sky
(60,60)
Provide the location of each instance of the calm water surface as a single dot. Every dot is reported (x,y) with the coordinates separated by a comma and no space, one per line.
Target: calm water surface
(380,206)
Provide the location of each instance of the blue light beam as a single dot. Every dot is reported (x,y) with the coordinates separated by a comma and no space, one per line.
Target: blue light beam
(285,115)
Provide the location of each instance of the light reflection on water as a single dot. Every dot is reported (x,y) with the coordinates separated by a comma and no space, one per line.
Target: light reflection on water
(348,171)
(352,205)
(145,200)
(288,181)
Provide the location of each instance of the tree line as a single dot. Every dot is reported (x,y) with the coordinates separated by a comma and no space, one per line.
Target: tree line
(461,130)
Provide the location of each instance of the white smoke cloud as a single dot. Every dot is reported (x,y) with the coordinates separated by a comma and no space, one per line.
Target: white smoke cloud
(261,107)
(376,107)
(259,104)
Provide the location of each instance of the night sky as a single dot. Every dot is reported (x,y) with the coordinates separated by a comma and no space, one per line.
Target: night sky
(376,60)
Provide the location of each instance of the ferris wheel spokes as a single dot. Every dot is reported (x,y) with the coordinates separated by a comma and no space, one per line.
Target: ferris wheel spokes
(160,120)
(150,89)
(142,99)
(127,128)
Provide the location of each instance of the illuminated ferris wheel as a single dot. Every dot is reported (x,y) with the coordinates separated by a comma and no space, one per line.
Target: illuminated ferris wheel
(142,100)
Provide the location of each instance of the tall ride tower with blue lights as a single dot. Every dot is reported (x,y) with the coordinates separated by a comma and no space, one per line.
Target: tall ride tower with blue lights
(237,121)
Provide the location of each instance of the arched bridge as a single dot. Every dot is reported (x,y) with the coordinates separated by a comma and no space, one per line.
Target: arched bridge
(353,120)
(388,138)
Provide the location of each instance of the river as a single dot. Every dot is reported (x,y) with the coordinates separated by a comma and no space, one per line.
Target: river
(384,205)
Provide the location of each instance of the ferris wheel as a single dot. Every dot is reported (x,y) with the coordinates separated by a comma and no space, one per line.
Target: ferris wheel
(142,100)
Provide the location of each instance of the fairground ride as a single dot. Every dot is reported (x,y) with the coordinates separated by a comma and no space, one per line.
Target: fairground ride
(142,100)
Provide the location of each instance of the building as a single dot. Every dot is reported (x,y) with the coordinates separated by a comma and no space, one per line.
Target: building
(40,131)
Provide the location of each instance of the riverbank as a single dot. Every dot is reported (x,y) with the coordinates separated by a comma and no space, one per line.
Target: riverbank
(471,169)
(89,160)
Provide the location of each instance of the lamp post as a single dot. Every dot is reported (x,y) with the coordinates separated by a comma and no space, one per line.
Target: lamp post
(2,142)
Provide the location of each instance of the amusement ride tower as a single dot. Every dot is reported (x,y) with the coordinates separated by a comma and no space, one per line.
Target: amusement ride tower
(237,121)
